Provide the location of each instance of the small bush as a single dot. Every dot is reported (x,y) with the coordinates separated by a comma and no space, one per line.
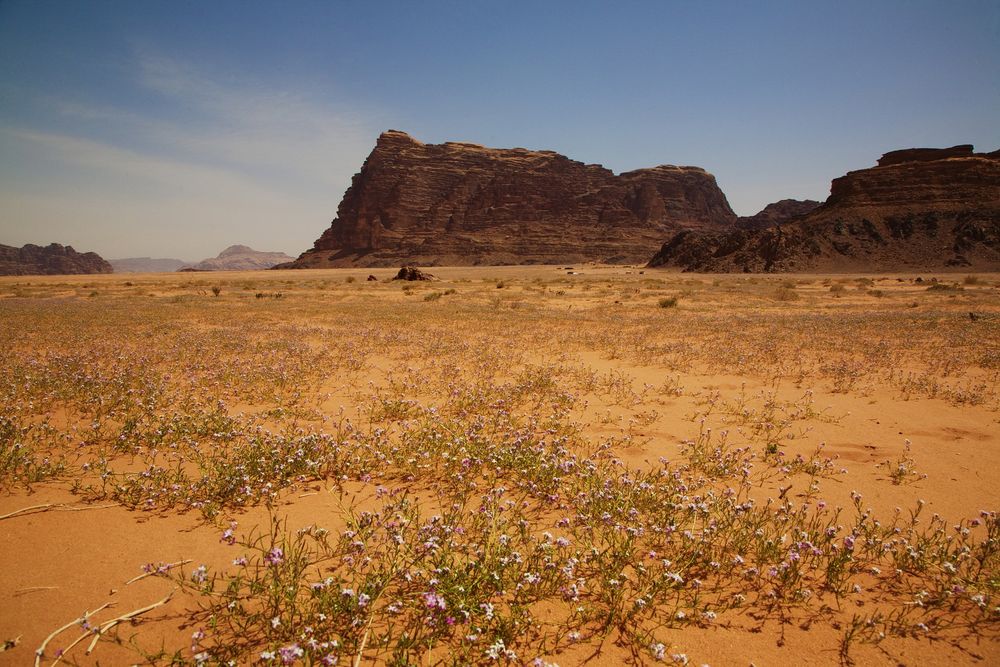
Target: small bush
(785,294)
(349,279)
(668,302)
(433,296)
(971,280)
(216,290)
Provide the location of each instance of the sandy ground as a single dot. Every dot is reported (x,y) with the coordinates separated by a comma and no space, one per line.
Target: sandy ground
(893,371)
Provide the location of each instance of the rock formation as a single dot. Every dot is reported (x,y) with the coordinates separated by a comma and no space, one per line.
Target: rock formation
(778,213)
(53,259)
(240,258)
(459,203)
(146,265)
(411,273)
(919,208)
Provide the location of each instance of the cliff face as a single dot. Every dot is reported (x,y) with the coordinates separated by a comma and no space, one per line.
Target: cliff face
(458,203)
(920,208)
(53,259)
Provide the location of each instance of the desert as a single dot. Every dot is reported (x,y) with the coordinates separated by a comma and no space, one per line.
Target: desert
(520,334)
(580,465)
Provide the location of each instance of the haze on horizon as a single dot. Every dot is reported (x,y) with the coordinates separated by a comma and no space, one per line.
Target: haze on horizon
(175,130)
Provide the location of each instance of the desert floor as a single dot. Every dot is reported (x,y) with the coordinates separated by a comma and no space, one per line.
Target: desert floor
(509,465)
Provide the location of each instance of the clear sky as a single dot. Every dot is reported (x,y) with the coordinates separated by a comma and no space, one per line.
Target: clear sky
(176,128)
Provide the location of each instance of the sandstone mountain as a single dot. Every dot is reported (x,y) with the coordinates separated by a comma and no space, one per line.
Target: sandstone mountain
(919,208)
(53,259)
(240,258)
(146,265)
(778,213)
(462,204)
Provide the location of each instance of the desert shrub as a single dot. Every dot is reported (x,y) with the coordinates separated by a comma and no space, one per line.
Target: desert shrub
(786,294)
(971,280)
(349,279)
(837,289)
(667,302)
(433,296)
(216,290)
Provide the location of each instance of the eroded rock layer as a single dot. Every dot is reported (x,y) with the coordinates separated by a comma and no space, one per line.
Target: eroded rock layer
(920,208)
(462,204)
(53,259)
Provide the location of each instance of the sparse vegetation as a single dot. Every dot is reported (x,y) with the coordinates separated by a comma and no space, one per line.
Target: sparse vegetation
(561,474)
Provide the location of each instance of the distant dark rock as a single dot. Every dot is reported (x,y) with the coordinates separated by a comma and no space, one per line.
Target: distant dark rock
(53,259)
(371,278)
(413,273)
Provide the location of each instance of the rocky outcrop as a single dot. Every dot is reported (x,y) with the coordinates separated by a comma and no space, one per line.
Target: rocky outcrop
(778,213)
(919,208)
(459,203)
(411,273)
(240,258)
(146,265)
(53,259)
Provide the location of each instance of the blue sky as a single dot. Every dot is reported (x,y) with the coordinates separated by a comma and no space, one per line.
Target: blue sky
(174,129)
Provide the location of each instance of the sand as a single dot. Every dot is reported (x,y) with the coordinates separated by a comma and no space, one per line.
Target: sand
(895,386)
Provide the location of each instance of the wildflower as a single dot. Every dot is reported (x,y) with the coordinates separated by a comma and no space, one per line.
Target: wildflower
(267,656)
(658,650)
(275,556)
(229,534)
(433,601)
(290,653)
(199,575)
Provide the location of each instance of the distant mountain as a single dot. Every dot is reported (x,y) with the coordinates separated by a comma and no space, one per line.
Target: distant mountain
(778,213)
(53,259)
(920,208)
(240,258)
(146,265)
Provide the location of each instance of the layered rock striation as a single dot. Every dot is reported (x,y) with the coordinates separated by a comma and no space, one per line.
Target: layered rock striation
(53,259)
(919,208)
(462,204)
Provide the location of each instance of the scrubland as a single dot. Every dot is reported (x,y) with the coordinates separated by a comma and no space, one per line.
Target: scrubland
(521,466)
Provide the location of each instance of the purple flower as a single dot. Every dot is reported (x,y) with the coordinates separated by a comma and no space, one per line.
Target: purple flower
(275,556)
(290,653)
(434,601)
